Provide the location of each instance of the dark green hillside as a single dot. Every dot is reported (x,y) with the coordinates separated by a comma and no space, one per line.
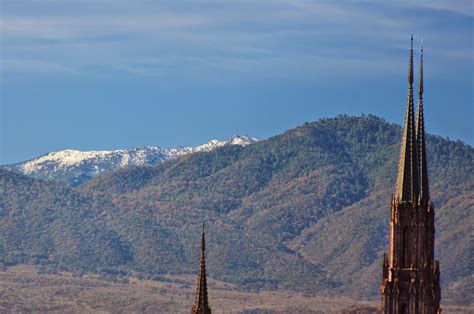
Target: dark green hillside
(43,223)
(305,210)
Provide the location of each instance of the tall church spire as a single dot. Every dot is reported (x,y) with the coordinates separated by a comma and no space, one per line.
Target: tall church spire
(410,273)
(407,181)
(201,305)
(420,139)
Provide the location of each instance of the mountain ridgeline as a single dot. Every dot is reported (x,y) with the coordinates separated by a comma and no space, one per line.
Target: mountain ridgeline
(75,167)
(306,211)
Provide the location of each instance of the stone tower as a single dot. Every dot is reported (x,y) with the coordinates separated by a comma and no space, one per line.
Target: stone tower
(201,305)
(410,282)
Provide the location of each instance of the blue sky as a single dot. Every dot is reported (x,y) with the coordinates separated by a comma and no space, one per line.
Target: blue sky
(113,74)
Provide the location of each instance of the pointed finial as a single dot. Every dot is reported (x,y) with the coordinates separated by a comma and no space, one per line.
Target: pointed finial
(203,239)
(410,66)
(420,85)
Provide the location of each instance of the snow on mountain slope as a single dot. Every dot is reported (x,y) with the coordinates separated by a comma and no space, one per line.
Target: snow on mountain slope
(76,167)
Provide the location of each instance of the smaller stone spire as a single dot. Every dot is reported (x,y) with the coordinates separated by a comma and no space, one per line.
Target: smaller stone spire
(201,305)
(420,139)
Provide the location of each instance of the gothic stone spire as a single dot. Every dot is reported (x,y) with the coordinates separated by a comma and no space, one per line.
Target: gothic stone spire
(407,181)
(420,139)
(410,276)
(201,305)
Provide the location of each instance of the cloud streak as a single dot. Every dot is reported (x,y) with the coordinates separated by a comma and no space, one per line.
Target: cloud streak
(191,38)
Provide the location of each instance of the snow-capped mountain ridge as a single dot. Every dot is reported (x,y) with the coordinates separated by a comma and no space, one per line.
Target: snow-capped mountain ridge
(76,167)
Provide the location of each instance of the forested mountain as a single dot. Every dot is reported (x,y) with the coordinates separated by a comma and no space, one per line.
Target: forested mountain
(42,222)
(306,210)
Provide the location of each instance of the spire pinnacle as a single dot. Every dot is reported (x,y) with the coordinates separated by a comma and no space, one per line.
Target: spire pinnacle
(420,140)
(201,305)
(420,82)
(203,239)
(410,66)
(407,181)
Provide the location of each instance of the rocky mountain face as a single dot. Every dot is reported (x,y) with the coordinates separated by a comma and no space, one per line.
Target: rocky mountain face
(303,211)
(76,167)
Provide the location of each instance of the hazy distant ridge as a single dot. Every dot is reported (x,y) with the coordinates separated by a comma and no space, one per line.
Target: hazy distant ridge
(76,167)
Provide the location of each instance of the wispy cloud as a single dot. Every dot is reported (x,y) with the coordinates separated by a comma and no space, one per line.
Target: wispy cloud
(192,37)
(462,7)
(28,66)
